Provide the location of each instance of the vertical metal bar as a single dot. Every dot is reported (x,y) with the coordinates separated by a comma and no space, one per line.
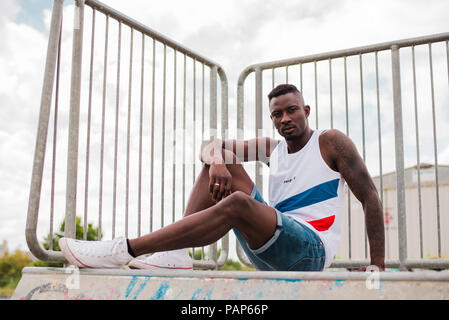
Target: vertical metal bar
(331,94)
(42,131)
(240,135)
(379,131)
(139,194)
(224,133)
(418,160)
(435,150)
(174,137)
(184,136)
(153,88)
(347,133)
(194,117)
(213,100)
(202,124)
(55,134)
(346,95)
(259,86)
(273,128)
(213,127)
(399,155)
(89,113)
(240,113)
(300,77)
(105,71)
(202,101)
(117,113)
(286,74)
(447,59)
(75,97)
(164,89)
(316,95)
(128,136)
(362,102)
(224,105)
(194,126)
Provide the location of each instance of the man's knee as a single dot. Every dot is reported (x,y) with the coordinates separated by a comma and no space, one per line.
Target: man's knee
(235,205)
(238,198)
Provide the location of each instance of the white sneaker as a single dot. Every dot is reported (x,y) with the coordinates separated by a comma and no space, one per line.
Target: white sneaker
(96,254)
(172,260)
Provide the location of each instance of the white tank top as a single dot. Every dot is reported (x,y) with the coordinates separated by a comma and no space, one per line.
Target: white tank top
(303,186)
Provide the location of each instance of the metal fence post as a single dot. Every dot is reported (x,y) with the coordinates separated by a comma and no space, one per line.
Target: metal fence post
(240,136)
(213,134)
(399,153)
(75,96)
(39,154)
(259,181)
(213,101)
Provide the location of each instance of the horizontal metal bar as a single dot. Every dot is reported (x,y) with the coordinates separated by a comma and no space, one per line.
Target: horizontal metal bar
(346,53)
(266,275)
(97,5)
(408,264)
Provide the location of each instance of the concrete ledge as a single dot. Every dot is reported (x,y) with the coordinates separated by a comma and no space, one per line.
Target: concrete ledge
(120,284)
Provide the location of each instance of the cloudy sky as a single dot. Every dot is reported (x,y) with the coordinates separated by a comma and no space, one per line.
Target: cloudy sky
(234,33)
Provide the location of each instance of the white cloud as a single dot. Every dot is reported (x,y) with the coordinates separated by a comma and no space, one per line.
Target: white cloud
(22,53)
(8,9)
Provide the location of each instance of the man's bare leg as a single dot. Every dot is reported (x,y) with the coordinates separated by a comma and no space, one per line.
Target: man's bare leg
(200,197)
(206,222)
(254,220)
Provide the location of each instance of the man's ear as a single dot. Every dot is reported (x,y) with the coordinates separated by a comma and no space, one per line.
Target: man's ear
(307,110)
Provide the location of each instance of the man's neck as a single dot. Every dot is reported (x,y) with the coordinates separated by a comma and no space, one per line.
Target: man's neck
(299,143)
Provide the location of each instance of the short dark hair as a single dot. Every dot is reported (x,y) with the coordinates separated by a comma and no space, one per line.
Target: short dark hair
(282,89)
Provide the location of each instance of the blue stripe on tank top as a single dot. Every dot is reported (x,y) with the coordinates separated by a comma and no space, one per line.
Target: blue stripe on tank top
(318,193)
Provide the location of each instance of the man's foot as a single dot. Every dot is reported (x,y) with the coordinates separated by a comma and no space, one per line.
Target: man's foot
(172,260)
(96,254)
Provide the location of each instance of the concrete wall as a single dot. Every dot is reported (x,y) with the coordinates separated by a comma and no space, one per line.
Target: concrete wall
(91,284)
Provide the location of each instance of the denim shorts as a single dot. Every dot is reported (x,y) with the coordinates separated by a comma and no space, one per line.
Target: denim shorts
(293,247)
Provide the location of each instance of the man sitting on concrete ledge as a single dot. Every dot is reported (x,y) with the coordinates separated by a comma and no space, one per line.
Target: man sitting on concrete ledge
(298,230)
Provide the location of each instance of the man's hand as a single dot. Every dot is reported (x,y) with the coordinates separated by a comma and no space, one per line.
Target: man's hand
(220,181)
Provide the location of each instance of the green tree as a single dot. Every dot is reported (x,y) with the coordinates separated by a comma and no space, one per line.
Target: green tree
(11,266)
(91,234)
(231,265)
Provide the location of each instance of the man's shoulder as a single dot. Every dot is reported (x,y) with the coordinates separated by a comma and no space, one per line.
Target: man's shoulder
(331,136)
(334,145)
(331,132)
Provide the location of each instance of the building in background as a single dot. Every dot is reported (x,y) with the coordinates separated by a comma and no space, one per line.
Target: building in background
(427,216)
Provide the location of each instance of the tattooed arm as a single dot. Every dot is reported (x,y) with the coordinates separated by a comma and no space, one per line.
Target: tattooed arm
(341,155)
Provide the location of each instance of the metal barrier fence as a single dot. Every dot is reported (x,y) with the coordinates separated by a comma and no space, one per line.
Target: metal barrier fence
(391,99)
(143,94)
(137,115)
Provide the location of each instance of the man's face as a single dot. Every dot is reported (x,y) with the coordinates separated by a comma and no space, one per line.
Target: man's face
(289,115)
